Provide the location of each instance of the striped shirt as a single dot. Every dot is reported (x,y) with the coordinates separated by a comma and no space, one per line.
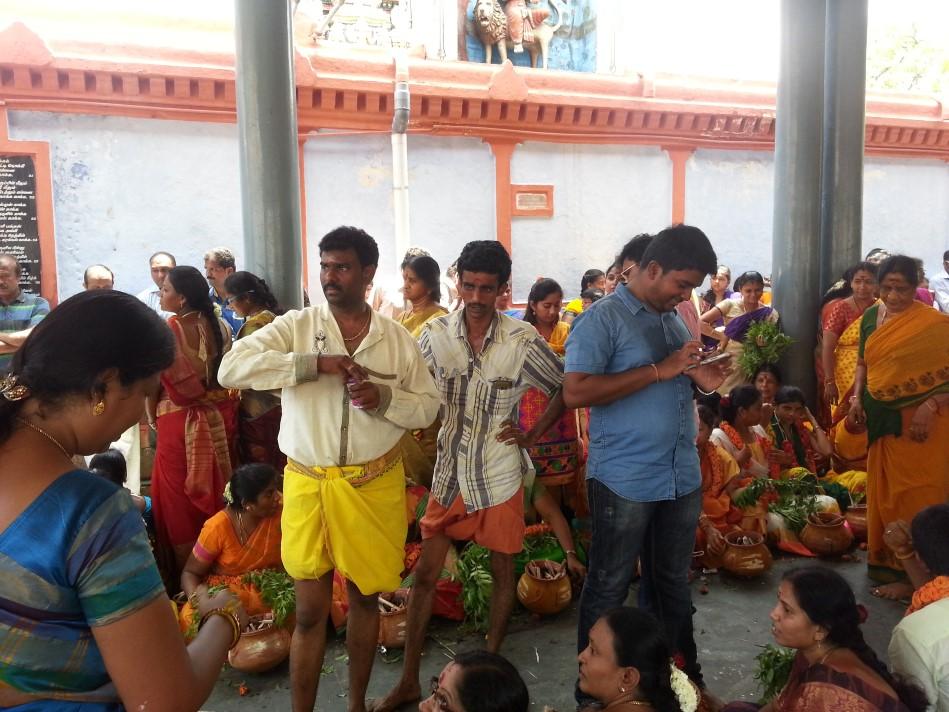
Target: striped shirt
(479,394)
(24,312)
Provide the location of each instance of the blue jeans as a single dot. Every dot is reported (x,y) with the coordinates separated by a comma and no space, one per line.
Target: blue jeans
(662,534)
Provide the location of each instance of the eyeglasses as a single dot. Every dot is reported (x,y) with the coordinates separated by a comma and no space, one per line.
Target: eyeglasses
(624,275)
(231,300)
(438,697)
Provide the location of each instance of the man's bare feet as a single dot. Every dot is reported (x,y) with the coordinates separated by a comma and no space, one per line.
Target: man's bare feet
(402,694)
(896,591)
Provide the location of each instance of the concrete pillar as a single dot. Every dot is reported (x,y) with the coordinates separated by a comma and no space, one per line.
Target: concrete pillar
(797,173)
(267,127)
(845,78)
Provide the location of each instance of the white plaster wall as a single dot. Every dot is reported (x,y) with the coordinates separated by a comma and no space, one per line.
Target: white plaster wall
(349,182)
(603,195)
(906,208)
(124,188)
(730,196)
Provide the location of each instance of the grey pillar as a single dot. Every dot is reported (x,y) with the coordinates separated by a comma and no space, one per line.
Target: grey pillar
(797,172)
(845,78)
(267,127)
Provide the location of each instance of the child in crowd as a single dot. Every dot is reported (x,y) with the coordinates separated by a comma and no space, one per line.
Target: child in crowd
(589,296)
(111,465)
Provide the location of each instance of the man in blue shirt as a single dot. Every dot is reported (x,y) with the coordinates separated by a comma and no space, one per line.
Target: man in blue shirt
(219,264)
(631,360)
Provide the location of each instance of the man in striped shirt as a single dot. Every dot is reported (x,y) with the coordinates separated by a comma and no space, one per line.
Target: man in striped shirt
(19,311)
(483,363)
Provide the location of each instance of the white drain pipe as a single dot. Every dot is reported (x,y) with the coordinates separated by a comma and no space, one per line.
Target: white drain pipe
(400,157)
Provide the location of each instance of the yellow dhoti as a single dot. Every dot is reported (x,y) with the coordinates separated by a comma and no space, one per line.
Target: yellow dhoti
(351,519)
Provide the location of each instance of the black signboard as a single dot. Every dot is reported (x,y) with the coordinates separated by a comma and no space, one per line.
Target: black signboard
(19,228)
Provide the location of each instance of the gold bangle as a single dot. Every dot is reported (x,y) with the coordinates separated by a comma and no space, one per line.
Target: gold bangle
(231,617)
(656,369)
(904,557)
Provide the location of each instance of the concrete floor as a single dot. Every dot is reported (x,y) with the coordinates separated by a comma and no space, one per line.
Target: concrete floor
(732,619)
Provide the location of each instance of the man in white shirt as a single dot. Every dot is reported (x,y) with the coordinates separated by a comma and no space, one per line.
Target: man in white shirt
(352,383)
(919,648)
(940,285)
(160,264)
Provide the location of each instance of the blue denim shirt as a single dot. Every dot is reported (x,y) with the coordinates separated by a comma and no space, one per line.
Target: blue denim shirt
(642,446)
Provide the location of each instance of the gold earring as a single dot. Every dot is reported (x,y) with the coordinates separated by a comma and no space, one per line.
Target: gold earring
(622,689)
(98,408)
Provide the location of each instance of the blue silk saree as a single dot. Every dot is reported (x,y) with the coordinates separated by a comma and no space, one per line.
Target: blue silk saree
(76,558)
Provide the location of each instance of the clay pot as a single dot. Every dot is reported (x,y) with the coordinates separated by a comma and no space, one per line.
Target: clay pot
(746,554)
(544,596)
(260,650)
(392,621)
(826,535)
(856,517)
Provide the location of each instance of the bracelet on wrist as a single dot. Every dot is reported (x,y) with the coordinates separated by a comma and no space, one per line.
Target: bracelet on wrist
(228,614)
(570,552)
(933,405)
(904,557)
(656,369)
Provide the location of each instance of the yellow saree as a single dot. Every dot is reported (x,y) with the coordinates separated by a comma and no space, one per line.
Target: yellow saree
(907,361)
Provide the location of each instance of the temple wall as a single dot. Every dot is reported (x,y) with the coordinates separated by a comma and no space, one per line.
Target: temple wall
(906,208)
(126,187)
(451,195)
(730,195)
(603,195)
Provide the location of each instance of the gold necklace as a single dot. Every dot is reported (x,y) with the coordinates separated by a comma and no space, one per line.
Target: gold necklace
(360,332)
(38,429)
(240,524)
(826,655)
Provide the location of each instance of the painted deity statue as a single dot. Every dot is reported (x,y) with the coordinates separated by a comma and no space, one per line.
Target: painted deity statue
(521,21)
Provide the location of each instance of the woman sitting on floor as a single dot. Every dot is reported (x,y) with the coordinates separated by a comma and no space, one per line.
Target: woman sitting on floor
(241,538)
(477,681)
(797,447)
(720,477)
(817,615)
(628,665)
(740,435)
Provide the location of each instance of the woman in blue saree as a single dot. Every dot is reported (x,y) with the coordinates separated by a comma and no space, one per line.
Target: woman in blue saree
(739,313)
(84,620)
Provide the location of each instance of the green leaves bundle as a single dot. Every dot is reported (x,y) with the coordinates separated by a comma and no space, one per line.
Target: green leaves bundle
(774,668)
(764,343)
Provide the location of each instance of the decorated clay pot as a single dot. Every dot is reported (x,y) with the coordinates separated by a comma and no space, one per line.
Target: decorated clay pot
(544,588)
(746,554)
(826,535)
(260,650)
(857,519)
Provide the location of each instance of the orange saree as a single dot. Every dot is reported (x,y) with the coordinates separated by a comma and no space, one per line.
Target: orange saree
(907,361)
(219,546)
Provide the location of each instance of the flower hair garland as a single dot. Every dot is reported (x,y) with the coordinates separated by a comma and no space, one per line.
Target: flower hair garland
(684,689)
(228,497)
